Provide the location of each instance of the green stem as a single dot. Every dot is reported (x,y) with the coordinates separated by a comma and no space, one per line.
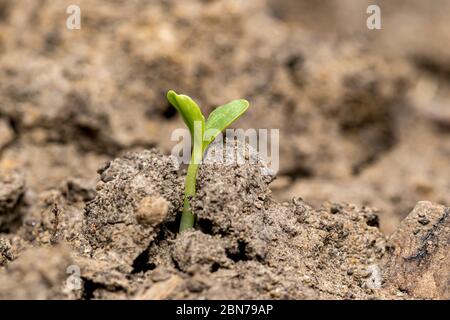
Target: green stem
(187,217)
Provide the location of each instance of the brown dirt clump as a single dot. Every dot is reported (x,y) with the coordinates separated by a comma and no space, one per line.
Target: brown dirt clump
(113,220)
(420,263)
(246,245)
(12,188)
(38,274)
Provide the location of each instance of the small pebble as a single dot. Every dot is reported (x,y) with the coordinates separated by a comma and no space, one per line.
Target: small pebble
(152,211)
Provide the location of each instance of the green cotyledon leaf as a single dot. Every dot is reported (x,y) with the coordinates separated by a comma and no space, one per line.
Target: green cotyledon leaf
(189,111)
(222,117)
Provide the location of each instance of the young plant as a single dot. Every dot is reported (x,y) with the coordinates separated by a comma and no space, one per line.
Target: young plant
(202,134)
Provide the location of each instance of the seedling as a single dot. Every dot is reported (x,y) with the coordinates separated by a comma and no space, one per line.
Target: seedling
(202,134)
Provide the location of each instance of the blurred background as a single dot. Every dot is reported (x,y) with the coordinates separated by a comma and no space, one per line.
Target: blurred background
(364,115)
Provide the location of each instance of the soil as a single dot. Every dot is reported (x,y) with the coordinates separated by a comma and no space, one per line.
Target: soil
(358,210)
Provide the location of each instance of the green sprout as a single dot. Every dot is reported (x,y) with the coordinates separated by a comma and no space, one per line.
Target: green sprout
(202,134)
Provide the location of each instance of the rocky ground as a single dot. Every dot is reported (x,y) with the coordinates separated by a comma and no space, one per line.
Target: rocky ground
(363,118)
